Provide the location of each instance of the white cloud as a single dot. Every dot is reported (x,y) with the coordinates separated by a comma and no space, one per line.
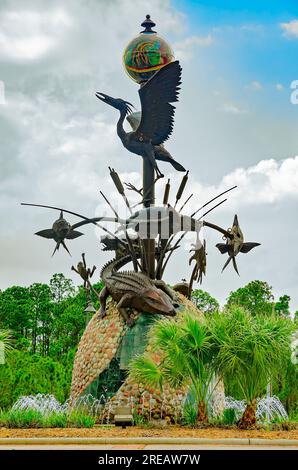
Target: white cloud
(29,35)
(269,181)
(290,29)
(255,85)
(279,87)
(184,49)
(232,108)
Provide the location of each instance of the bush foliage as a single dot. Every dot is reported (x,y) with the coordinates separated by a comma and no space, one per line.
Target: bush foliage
(46,322)
(35,419)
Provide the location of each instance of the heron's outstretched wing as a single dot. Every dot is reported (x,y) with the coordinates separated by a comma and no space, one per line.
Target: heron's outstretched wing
(156,95)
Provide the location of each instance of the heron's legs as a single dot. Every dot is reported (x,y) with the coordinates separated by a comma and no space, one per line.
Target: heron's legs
(159,174)
(151,156)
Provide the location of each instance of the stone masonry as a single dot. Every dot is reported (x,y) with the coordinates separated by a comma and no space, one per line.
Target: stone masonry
(99,345)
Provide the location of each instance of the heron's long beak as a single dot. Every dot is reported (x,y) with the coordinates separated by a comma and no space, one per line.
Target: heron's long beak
(107,99)
(101,96)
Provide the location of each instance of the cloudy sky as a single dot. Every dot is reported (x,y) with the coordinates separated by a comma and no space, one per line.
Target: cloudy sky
(235,124)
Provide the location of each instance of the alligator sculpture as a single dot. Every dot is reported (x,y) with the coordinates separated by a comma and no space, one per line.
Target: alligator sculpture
(135,290)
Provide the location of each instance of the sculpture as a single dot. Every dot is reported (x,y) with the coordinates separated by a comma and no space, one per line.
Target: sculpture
(235,244)
(135,290)
(84,272)
(146,53)
(157,118)
(60,231)
(147,237)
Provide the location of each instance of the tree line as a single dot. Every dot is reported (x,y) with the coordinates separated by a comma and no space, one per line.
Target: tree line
(46,322)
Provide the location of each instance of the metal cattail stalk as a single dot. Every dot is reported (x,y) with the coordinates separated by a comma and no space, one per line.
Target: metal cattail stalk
(109,204)
(119,186)
(211,200)
(181,188)
(166,193)
(183,205)
(116,180)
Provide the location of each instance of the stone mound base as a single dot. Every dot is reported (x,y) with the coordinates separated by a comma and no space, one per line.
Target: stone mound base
(98,346)
(100,343)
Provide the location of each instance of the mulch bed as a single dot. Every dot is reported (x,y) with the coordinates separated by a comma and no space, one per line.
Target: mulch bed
(136,431)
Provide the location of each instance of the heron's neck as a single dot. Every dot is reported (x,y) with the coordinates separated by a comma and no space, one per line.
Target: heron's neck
(120,131)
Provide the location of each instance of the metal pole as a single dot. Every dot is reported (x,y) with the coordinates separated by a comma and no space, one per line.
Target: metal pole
(149,199)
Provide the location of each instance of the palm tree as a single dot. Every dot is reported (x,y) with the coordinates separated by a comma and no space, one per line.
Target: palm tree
(251,351)
(186,353)
(5,343)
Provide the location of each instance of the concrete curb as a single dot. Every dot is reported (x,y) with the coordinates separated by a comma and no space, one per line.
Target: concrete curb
(144,440)
(275,442)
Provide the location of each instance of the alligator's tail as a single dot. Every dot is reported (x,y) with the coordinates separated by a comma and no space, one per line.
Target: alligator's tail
(116,264)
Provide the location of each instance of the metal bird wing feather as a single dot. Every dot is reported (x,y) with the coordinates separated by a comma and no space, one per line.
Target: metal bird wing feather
(157,119)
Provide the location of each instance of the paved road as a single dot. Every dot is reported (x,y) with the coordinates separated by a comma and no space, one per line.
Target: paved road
(144,447)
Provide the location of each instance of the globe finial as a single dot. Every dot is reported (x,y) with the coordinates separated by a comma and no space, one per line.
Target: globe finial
(148,24)
(146,54)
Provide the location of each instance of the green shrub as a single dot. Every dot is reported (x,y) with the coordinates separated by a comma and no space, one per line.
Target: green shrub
(21,419)
(35,419)
(294,415)
(27,374)
(190,414)
(188,351)
(139,419)
(55,420)
(285,387)
(284,426)
(252,350)
(229,416)
(78,419)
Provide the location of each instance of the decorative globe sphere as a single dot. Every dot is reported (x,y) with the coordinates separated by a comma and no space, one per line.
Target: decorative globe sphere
(146,54)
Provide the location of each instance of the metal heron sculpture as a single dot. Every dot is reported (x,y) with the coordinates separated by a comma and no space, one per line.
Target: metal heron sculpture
(157,116)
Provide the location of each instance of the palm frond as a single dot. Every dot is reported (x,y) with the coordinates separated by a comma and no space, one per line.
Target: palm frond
(144,370)
(6,340)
